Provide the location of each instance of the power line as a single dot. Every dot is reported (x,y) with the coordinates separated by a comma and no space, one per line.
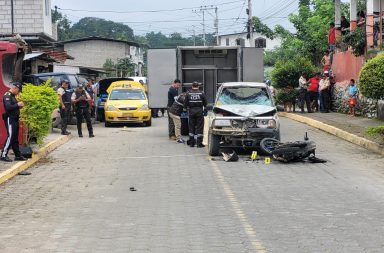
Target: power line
(145,11)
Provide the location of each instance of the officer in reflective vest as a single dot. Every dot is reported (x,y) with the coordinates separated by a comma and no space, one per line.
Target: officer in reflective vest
(80,98)
(11,121)
(195,102)
(65,105)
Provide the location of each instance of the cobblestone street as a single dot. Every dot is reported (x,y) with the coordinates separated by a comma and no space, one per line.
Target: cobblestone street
(78,199)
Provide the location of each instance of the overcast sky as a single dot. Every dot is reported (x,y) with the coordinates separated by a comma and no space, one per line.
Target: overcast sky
(182,16)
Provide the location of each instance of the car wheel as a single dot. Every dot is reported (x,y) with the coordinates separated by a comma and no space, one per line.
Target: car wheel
(107,124)
(213,144)
(148,123)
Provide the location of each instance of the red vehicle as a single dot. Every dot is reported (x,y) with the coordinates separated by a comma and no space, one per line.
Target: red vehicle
(11,60)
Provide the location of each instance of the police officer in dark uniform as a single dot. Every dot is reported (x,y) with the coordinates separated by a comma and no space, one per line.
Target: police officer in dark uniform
(11,120)
(195,102)
(65,105)
(80,98)
(89,89)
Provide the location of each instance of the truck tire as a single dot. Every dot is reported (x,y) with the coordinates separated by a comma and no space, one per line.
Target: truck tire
(213,144)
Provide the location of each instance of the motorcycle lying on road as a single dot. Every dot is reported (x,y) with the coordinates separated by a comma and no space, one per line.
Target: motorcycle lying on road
(290,151)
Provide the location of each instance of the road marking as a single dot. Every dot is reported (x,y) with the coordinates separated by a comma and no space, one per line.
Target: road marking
(249,230)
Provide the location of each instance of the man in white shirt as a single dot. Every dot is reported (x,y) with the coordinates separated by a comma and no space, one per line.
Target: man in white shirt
(324,93)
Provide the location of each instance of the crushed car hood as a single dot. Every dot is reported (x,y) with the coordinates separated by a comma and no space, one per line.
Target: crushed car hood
(246,110)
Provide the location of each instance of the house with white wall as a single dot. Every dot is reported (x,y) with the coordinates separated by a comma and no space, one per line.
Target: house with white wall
(240,39)
(93,52)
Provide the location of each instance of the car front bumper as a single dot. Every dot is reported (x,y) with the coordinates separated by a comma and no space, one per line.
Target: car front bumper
(121,117)
(239,138)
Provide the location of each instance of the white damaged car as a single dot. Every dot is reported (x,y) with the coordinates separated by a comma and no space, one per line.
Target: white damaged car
(244,113)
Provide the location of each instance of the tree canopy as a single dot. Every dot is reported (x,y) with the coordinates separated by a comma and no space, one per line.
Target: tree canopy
(91,26)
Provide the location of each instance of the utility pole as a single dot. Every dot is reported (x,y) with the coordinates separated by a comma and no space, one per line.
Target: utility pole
(203,28)
(194,35)
(217,27)
(250,25)
(12,18)
(381,26)
(202,10)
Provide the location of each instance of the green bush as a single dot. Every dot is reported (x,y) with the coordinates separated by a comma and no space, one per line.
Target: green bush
(287,73)
(376,131)
(40,101)
(372,78)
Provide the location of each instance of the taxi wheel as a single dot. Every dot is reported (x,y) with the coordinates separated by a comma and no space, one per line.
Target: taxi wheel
(148,123)
(107,124)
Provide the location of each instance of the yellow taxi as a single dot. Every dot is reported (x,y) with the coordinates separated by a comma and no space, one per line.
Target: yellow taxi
(127,103)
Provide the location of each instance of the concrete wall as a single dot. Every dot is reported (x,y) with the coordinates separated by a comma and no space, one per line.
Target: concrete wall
(346,66)
(30,16)
(94,53)
(66,69)
(271,44)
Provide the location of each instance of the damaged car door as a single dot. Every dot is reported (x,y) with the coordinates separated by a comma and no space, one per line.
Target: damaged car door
(243,115)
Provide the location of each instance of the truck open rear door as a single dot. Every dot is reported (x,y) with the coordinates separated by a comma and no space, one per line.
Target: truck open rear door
(162,70)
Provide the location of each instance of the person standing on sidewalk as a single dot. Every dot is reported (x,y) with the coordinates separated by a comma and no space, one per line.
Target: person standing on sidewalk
(195,101)
(303,96)
(11,121)
(80,98)
(313,92)
(353,94)
(65,105)
(324,92)
(175,112)
(173,92)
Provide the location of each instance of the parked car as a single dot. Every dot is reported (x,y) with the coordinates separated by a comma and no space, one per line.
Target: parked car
(56,77)
(102,94)
(244,113)
(127,104)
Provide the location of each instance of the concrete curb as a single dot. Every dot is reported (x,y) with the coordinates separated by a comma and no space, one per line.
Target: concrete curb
(44,151)
(370,145)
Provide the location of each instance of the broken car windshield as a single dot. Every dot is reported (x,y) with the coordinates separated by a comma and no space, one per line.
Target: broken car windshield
(244,96)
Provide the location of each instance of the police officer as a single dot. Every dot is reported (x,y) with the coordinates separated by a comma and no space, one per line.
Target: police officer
(195,102)
(90,90)
(11,120)
(80,98)
(65,105)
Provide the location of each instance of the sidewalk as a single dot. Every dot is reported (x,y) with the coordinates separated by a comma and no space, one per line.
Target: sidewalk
(51,142)
(352,129)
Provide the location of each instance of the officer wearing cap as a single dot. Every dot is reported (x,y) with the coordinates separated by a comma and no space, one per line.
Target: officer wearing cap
(195,102)
(11,120)
(65,105)
(80,98)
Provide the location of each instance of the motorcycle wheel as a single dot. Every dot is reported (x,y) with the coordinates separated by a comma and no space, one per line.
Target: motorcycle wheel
(268,145)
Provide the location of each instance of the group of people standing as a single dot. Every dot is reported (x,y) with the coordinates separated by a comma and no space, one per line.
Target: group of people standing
(315,92)
(82,99)
(195,102)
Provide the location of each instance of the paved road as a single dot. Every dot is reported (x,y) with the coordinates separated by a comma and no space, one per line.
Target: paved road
(78,199)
